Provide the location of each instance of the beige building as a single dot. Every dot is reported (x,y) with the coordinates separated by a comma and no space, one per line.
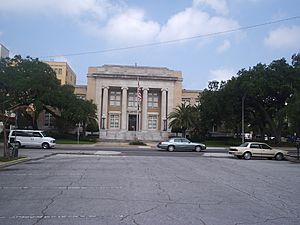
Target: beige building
(4,52)
(65,75)
(124,112)
(63,71)
(190,97)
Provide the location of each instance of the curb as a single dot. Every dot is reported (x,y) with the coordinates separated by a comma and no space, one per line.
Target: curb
(26,159)
(292,159)
(14,162)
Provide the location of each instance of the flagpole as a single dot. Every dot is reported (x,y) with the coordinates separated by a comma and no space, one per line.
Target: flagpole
(137,109)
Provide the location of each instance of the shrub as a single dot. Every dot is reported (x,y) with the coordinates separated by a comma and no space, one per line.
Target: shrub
(137,142)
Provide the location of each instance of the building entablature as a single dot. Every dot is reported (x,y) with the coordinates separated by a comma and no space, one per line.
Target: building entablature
(135,77)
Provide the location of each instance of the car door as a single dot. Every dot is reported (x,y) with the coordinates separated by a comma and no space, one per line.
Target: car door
(255,149)
(267,151)
(24,138)
(37,138)
(177,143)
(185,144)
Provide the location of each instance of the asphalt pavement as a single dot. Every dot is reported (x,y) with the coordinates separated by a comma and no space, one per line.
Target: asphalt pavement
(88,189)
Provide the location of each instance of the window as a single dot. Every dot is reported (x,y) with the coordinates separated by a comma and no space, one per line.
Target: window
(49,120)
(264,146)
(186,101)
(185,140)
(177,140)
(59,71)
(132,100)
(254,146)
(115,98)
(37,134)
(21,134)
(152,122)
(114,121)
(152,100)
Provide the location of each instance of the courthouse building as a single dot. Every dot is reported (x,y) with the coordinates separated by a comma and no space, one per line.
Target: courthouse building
(134,101)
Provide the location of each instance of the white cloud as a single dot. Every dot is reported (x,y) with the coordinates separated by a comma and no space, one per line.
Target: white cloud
(96,8)
(220,6)
(130,27)
(120,24)
(222,74)
(193,22)
(283,38)
(225,46)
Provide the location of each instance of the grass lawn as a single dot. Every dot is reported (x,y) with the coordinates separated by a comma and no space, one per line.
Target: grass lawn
(2,159)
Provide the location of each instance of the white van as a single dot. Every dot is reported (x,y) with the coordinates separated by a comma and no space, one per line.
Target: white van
(31,138)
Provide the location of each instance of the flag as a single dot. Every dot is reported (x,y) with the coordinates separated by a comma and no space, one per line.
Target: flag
(139,93)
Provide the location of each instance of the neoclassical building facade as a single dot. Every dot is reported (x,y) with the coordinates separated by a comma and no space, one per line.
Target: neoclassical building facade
(133,102)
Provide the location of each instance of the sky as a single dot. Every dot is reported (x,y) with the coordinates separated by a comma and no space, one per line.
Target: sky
(191,36)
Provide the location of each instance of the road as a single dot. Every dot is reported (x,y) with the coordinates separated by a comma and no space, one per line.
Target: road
(149,189)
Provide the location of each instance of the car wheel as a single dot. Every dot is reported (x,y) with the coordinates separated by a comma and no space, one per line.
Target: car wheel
(19,144)
(279,156)
(198,149)
(45,145)
(171,148)
(247,155)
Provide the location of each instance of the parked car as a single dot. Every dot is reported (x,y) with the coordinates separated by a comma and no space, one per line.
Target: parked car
(248,150)
(180,144)
(33,138)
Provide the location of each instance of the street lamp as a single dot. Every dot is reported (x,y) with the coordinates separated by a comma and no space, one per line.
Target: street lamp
(243,118)
(103,121)
(165,124)
(78,131)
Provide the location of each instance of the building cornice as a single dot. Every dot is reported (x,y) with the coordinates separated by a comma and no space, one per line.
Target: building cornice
(135,77)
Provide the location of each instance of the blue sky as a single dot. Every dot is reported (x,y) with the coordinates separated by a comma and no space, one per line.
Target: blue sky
(57,28)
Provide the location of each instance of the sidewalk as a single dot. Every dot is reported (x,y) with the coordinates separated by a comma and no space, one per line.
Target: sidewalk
(91,149)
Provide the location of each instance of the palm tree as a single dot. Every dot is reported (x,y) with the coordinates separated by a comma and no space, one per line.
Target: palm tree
(181,118)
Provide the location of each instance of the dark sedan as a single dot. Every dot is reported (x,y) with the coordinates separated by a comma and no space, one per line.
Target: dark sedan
(180,144)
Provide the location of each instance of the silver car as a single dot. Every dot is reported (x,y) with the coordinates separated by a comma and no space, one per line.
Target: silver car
(180,144)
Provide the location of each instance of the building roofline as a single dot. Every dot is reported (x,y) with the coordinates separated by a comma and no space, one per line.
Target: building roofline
(135,76)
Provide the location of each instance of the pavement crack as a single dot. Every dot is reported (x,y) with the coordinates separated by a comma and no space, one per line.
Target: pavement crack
(137,214)
(47,206)
(52,200)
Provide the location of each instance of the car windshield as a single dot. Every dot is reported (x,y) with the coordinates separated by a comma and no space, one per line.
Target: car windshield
(244,144)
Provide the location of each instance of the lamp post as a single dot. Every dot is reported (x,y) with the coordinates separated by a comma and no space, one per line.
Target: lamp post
(243,118)
(103,121)
(165,124)
(78,132)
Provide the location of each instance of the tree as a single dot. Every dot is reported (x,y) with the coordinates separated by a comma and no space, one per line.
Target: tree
(270,95)
(29,86)
(28,82)
(181,118)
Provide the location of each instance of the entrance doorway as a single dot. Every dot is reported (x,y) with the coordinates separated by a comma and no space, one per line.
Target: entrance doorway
(132,122)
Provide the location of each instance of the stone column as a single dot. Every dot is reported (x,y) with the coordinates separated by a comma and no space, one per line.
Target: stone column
(145,110)
(105,106)
(163,108)
(124,108)
(99,102)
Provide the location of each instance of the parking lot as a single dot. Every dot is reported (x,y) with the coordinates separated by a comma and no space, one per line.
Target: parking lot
(147,190)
